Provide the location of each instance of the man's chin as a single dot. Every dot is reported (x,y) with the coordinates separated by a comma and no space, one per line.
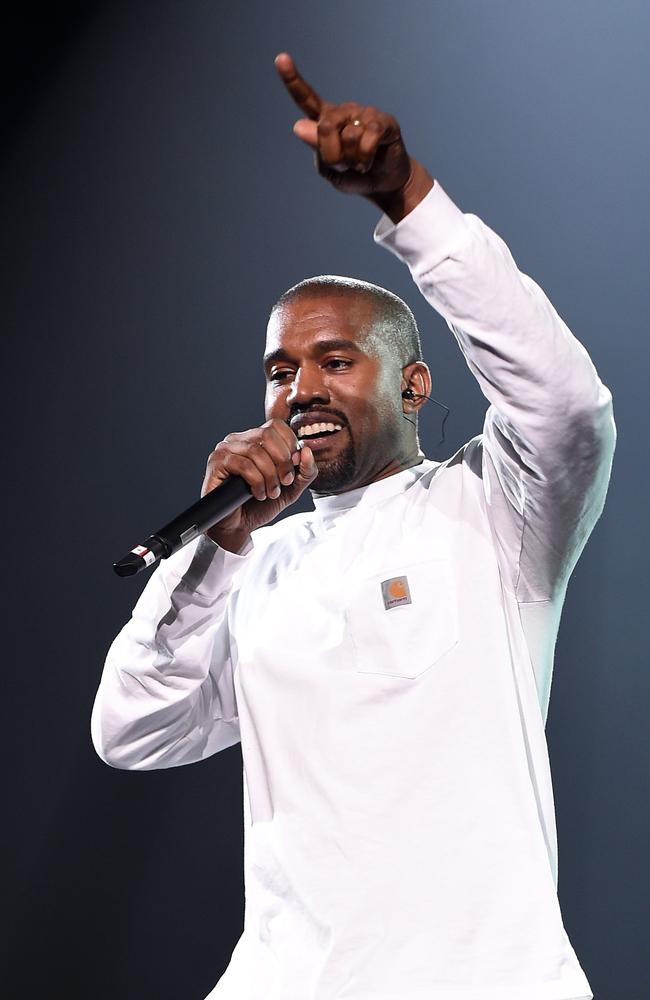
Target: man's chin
(336,475)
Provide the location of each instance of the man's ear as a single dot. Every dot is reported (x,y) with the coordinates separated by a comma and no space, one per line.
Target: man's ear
(416,386)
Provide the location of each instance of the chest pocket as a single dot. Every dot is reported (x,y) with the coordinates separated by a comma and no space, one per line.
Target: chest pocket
(402,623)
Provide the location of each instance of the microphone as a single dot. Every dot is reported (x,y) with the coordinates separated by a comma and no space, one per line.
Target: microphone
(209,510)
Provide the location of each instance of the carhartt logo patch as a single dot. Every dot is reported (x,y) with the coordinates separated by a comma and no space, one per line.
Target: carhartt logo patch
(395,592)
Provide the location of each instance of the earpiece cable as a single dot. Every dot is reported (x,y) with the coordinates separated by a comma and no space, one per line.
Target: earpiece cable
(421,395)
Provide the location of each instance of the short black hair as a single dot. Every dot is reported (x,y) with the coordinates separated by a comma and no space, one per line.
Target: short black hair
(394,324)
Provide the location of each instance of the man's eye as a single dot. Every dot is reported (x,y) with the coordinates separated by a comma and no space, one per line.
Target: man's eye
(338,363)
(279,376)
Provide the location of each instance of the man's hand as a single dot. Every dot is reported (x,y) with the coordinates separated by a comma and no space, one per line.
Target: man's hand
(277,472)
(358,149)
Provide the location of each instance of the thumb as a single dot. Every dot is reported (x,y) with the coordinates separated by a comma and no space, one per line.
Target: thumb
(307,131)
(307,470)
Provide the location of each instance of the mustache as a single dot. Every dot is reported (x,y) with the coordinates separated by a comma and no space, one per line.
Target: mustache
(298,410)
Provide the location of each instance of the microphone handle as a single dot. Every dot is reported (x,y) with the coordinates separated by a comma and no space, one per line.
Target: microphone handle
(206,512)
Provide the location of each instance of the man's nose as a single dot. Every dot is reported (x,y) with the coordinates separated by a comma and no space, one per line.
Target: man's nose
(308,384)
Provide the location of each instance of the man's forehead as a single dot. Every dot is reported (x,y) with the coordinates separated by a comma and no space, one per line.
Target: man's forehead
(321,316)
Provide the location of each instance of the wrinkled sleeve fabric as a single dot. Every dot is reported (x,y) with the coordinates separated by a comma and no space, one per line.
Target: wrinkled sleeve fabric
(549,434)
(166,695)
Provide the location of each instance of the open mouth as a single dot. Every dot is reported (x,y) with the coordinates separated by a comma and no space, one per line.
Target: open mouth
(312,432)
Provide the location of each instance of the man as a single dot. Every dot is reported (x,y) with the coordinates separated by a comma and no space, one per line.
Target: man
(385,659)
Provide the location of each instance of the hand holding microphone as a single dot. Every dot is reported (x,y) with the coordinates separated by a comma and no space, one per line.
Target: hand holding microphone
(250,478)
(276,469)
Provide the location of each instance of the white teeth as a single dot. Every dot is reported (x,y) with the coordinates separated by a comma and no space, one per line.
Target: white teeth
(318,429)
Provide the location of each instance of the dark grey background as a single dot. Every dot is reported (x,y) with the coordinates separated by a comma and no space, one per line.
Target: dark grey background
(154,204)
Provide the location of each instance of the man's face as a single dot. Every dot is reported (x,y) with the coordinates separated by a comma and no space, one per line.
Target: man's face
(324,365)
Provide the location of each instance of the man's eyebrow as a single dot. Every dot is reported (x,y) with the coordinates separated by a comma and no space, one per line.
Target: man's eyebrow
(320,347)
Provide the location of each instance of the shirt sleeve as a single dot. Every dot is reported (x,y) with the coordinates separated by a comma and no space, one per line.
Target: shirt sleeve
(548,438)
(166,696)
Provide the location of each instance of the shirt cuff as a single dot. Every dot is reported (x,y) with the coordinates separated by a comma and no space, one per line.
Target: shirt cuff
(432,231)
(204,567)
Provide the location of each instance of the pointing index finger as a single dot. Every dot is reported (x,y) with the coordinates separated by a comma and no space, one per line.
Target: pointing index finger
(303,94)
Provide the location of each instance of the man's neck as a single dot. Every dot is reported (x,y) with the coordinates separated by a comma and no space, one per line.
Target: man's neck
(394,467)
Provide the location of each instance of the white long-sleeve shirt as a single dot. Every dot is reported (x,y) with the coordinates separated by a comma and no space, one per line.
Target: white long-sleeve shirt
(386,662)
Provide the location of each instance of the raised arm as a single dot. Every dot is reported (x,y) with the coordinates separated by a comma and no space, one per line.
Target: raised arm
(546,450)
(548,438)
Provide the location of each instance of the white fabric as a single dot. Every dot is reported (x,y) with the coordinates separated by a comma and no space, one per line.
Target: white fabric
(400,839)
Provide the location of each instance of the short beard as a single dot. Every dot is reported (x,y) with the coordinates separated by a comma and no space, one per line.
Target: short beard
(337,474)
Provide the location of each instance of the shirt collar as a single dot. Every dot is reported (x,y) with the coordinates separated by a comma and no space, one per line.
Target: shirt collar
(373,493)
